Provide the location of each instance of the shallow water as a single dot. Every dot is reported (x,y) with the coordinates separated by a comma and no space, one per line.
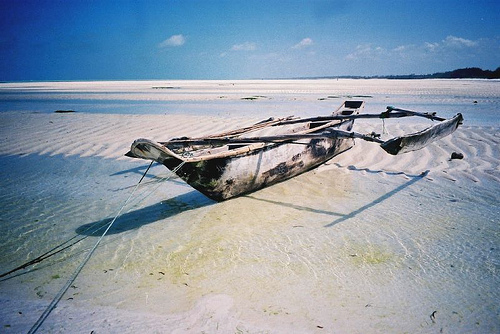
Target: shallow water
(332,241)
(477,100)
(354,246)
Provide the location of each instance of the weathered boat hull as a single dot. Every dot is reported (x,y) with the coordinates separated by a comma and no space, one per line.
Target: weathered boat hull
(224,178)
(232,163)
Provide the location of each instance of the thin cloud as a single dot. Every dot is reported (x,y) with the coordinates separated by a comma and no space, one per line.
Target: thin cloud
(449,45)
(431,47)
(426,57)
(458,42)
(173,41)
(404,48)
(366,51)
(247,46)
(303,43)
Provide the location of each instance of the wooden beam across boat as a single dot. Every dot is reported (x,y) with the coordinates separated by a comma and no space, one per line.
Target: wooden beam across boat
(291,138)
(257,126)
(390,113)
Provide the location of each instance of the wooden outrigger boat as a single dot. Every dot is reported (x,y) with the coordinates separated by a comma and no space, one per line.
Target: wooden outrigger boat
(241,161)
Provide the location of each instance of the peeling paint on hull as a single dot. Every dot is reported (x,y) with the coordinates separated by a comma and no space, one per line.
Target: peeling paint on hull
(224,178)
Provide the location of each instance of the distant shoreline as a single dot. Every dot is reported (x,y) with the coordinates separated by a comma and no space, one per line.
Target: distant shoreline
(462,73)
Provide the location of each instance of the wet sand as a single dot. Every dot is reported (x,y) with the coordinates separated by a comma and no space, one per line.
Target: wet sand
(365,243)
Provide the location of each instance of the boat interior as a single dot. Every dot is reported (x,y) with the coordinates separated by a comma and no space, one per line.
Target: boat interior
(350,107)
(268,129)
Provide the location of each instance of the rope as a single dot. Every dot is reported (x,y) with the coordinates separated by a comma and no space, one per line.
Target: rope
(70,281)
(57,249)
(53,251)
(46,255)
(165,178)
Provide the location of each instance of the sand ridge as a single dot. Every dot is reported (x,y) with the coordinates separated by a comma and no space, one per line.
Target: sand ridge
(110,136)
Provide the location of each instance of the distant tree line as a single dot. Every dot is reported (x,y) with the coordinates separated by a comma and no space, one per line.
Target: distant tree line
(462,73)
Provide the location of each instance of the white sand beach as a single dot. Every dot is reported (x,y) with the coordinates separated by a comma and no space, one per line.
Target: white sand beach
(366,243)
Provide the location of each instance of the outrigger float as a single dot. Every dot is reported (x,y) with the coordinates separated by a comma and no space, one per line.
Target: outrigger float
(237,162)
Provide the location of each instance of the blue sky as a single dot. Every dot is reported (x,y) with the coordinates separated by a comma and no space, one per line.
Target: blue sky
(114,40)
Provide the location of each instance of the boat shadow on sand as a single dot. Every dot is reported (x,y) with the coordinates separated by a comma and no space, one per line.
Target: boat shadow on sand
(413,179)
(149,178)
(343,217)
(194,200)
(146,215)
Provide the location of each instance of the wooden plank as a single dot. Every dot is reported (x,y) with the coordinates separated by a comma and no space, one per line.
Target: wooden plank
(384,115)
(332,133)
(257,126)
(429,115)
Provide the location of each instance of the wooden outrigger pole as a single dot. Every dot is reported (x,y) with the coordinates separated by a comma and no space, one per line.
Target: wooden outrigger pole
(393,146)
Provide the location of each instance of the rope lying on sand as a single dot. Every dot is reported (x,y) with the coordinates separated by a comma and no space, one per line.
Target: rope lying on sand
(69,243)
(61,247)
(75,274)
(49,253)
